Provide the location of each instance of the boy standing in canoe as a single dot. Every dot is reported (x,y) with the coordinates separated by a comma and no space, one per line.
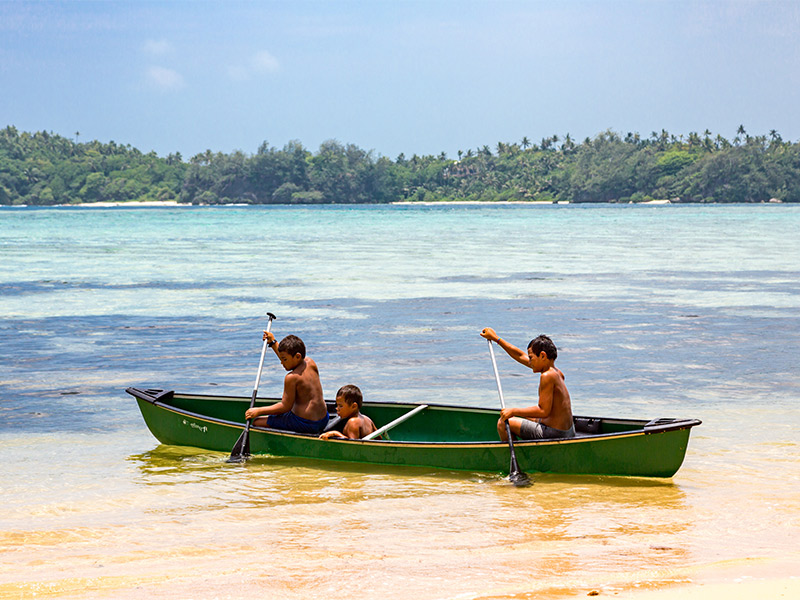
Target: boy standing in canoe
(552,417)
(302,408)
(348,407)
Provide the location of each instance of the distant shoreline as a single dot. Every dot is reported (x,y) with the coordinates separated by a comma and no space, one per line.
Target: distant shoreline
(132,204)
(174,204)
(608,168)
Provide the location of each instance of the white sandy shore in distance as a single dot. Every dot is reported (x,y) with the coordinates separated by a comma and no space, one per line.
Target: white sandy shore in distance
(472,202)
(126,204)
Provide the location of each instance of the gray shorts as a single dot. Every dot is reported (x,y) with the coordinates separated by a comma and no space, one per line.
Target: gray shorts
(531,430)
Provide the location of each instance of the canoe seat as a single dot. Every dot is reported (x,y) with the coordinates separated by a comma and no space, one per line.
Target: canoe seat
(587,426)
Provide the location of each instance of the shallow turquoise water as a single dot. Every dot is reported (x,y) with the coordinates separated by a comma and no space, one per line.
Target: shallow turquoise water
(690,311)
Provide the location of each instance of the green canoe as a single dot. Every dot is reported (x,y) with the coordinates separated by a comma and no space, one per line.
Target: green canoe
(439,436)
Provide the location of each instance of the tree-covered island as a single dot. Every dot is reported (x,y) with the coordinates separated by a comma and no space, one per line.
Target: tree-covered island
(42,168)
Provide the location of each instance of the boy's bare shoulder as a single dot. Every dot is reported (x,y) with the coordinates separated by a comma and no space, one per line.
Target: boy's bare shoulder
(553,374)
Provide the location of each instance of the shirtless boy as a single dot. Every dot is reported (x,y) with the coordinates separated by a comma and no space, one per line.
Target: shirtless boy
(348,407)
(552,417)
(302,408)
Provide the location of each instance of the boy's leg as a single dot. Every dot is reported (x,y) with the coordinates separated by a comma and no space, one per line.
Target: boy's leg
(513,423)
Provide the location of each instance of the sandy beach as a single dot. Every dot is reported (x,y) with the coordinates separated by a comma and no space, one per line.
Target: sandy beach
(148,204)
(738,590)
(730,583)
(745,587)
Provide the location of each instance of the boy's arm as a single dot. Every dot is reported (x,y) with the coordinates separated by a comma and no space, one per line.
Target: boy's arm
(352,429)
(514,352)
(284,406)
(271,341)
(541,410)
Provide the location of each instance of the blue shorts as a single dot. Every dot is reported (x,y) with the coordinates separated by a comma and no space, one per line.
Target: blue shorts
(291,422)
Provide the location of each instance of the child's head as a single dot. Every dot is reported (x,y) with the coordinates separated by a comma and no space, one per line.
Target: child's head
(348,401)
(542,343)
(291,351)
(292,344)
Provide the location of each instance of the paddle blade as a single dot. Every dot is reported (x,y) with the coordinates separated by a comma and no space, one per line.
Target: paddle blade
(241,449)
(515,474)
(519,479)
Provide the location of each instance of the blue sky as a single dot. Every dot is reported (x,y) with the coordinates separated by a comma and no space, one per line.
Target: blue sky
(402,76)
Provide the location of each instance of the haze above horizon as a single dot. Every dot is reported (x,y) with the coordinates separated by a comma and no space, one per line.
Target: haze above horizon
(395,77)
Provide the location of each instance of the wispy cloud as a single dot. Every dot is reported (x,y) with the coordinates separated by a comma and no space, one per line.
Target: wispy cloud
(156,47)
(260,63)
(264,62)
(165,79)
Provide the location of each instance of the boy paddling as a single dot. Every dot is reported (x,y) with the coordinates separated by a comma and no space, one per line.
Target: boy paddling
(302,408)
(552,417)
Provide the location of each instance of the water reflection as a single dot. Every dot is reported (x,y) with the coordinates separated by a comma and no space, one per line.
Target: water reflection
(421,523)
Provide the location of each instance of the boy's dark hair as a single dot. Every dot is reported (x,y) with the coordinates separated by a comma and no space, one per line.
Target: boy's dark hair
(542,342)
(292,344)
(351,394)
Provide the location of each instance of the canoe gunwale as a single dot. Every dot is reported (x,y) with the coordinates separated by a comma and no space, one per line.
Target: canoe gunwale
(654,426)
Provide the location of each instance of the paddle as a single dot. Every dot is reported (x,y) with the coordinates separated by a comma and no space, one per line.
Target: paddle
(241,449)
(515,475)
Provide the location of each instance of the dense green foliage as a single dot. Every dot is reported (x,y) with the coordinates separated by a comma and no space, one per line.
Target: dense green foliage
(44,169)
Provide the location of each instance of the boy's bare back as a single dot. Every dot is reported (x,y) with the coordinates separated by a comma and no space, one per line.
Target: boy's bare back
(302,390)
(553,391)
(359,426)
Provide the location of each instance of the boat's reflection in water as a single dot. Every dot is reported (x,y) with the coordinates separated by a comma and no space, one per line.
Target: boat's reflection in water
(321,521)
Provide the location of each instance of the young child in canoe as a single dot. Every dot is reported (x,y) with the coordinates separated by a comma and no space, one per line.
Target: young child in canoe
(348,407)
(302,408)
(552,417)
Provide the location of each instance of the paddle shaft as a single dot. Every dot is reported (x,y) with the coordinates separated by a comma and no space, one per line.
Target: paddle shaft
(514,467)
(260,368)
(242,444)
(261,363)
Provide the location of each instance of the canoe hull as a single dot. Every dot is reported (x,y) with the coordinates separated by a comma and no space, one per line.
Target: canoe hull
(625,448)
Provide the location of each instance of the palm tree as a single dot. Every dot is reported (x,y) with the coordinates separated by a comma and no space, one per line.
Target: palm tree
(707,141)
(525,143)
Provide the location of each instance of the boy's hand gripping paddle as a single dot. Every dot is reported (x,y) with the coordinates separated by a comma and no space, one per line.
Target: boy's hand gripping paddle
(515,475)
(241,449)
